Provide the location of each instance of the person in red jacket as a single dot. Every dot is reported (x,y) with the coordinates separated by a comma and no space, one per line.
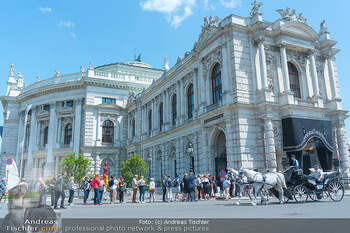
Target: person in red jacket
(95,185)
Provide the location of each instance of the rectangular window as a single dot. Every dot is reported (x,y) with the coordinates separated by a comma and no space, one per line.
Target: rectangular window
(105,100)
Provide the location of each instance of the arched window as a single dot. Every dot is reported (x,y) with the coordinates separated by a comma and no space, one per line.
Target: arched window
(174,109)
(149,122)
(67,134)
(46,135)
(190,101)
(133,130)
(294,80)
(216,83)
(160,116)
(108,131)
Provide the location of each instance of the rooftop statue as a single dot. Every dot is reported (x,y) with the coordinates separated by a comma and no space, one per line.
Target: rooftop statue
(286,15)
(81,68)
(210,23)
(255,9)
(323,28)
(166,63)
(37,78)
(57,73)
(12,69)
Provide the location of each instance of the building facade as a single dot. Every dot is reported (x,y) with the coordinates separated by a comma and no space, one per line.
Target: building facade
(248,94)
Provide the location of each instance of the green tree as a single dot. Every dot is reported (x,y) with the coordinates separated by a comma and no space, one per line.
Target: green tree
(76,167)
(133,166)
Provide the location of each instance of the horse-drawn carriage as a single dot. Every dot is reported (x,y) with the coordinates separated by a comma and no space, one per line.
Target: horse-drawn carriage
(302,186)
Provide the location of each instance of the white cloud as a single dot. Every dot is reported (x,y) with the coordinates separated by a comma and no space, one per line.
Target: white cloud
(208,6)
(230,3)
(176,10)
(67,24)
(45,9)
(73,34)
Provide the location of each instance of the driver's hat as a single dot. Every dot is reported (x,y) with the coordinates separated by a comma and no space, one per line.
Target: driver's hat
(315,165)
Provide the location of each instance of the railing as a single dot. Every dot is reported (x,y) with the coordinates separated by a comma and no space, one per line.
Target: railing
(54,80)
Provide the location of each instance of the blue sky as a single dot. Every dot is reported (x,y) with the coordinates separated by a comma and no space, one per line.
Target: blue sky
(41,36)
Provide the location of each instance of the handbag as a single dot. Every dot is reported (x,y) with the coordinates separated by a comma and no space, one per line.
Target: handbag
(152,189)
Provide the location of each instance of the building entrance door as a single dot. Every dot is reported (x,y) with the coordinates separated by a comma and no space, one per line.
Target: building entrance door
(220,164)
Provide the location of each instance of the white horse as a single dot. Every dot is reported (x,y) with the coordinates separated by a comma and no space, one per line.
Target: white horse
(265,181)
(242,182)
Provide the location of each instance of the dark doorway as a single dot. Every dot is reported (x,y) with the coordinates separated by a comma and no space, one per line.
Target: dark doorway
(220,164)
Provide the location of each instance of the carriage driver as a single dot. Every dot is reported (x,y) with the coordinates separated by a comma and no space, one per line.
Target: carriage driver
(295,165)
(317,173)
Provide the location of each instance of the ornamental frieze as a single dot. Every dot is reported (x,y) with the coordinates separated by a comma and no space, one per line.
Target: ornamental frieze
(297,56)
(109,116)
(214,57)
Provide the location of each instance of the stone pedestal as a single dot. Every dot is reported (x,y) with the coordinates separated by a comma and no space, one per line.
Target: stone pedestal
(286,98)
(265,95)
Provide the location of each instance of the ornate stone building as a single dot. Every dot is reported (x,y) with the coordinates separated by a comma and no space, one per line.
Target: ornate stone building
(249,93)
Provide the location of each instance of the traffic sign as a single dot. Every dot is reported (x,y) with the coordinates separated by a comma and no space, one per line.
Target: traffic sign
(9,161)
(222,174)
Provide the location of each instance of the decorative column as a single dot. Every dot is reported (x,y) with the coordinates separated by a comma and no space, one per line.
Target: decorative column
(154,116)
(77,126)
(284,67)
(165,111)
(332,76)
(343,148)
(201,88)
(33,126)
(314,73)
(196,92)
(49,165)
(263,71)
(229,145)
(59,132)
(182,102)
(270,146)
(56,165)
(20,137)
(205,155)
(178,103)
(225,75)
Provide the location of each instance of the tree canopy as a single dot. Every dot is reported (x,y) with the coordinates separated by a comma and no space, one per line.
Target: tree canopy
(133,166)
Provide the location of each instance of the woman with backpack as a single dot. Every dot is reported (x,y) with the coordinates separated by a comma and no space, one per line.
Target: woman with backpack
(95,185)
(177,184)
(87,188)
(169,187)
(113,189)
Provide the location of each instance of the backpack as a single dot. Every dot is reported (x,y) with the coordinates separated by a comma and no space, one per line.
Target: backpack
(111,183)
(169,183)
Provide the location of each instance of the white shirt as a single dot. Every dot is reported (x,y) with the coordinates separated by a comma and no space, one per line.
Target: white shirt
(134,183)
(114,186)
(317,174)
(152,185)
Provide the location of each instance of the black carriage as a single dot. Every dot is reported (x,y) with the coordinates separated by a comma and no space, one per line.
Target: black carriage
(301,186)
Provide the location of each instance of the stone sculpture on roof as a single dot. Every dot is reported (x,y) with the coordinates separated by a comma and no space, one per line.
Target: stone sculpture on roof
(255,9)
(293,16)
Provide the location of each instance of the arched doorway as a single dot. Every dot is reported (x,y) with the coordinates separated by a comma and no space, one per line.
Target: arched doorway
(219,151)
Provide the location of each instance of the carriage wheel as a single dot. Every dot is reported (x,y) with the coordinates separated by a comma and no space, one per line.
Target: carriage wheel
(336,191)
(313,195)
(300,194)
(285,199)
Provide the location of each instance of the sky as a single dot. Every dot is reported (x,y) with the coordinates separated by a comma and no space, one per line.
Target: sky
(41,36)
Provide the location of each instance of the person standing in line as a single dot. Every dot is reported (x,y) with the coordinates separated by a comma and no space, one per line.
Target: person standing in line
(211,186)
(215,187)
(121,190)
(142,187)
(22,191)
(152,191)
(60,191)
(2,188)
(164,188)
(134,188)
(226,185)
(71,186)
(178,187)
(95,185)
(191,186)
(206,187)
(53,189)
(42,192)
(113,189)
(185,196)
(199,185)
(87,188)
(169,187)
(101,187)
